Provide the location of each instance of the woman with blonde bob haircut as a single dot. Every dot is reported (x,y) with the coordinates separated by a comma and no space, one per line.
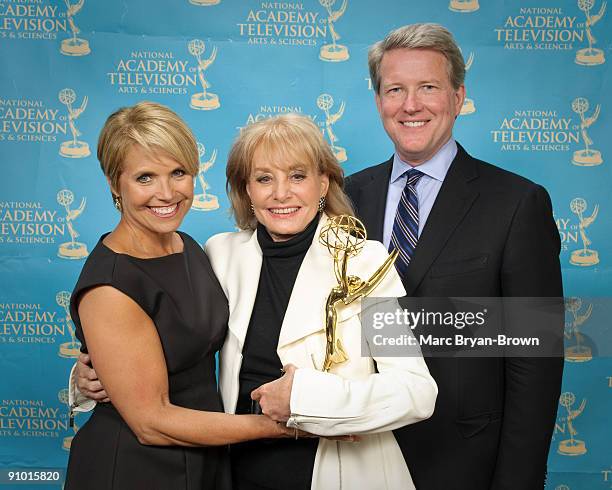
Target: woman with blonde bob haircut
(284,183)
(152,126)
(151,315)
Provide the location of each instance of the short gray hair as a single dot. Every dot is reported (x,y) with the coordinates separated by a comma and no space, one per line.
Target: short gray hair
(419,36)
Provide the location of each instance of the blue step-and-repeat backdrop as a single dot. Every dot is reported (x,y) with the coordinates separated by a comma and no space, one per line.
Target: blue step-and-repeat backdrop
(538,86)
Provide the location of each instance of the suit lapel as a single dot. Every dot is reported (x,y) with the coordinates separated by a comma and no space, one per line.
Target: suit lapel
(373,199)
(454,200)
(313,283)
(250,257)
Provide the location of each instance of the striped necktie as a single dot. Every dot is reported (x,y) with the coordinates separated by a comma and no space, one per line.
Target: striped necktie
(406,225)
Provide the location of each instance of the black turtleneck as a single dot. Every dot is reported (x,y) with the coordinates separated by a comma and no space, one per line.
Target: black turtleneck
(277,464)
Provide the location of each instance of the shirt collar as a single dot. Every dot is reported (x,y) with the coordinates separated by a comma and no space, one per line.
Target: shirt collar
(436,167)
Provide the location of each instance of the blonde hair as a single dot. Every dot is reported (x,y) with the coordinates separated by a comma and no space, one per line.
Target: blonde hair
(154,127)
(291,138)
(419,36)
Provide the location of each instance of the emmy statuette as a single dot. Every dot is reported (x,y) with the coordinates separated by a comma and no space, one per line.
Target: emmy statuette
(205,201)
(344,237)
(72,249)
(205,100)
(70,349)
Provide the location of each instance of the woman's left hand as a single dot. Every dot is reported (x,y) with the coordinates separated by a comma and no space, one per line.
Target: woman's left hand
(274,397)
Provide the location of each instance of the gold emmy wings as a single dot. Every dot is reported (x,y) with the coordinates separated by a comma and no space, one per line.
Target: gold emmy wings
(345,236)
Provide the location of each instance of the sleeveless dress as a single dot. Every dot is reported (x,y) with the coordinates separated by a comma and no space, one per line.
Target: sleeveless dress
(185,301)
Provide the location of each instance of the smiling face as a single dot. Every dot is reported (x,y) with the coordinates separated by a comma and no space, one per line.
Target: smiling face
(285,195)
(155,191)
(416,102)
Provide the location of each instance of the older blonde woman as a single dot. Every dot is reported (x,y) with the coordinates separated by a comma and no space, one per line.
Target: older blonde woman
(151,315)
(284,182)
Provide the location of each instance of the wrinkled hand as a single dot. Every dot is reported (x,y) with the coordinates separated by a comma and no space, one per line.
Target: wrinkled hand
(88,382)
(274,397)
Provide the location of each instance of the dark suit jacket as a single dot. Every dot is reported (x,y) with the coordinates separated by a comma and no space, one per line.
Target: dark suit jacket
(489,233)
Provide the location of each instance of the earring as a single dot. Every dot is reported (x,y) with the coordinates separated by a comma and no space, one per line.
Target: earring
(252,209)
(321,204)
(117,202)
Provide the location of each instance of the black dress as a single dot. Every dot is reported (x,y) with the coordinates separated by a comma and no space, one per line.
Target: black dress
(185,301)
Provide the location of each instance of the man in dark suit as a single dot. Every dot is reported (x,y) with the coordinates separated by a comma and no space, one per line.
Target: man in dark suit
(479,231)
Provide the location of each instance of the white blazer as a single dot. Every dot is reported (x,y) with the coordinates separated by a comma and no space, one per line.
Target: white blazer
(357,397)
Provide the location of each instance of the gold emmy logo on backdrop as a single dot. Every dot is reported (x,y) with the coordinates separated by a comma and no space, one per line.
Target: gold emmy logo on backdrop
(325,102)
(345,236)
(334,51)
(73,348)
(67,441)
(463,6)
(590,56)
(587,157)
(204,3)
(562,487)
(571,446)
(468,106)
(74,148)
(205,100)
(71,249)
(74,46)
(205,201)
(584,257)
(577,352)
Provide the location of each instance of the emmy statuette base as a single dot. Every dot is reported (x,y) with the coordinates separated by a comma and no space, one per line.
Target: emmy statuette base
(329,52)
(205,202)
(204,102)
(584,258)
(69,349)
(340,154)
(72,47)
(464,7)
(590,57)
(67,443)
(468,107)
(578,353)
(70,150)
(584,158)
(74,252)
(572,448)
(204,3)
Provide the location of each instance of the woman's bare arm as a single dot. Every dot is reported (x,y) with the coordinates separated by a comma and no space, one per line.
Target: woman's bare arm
(126,351)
